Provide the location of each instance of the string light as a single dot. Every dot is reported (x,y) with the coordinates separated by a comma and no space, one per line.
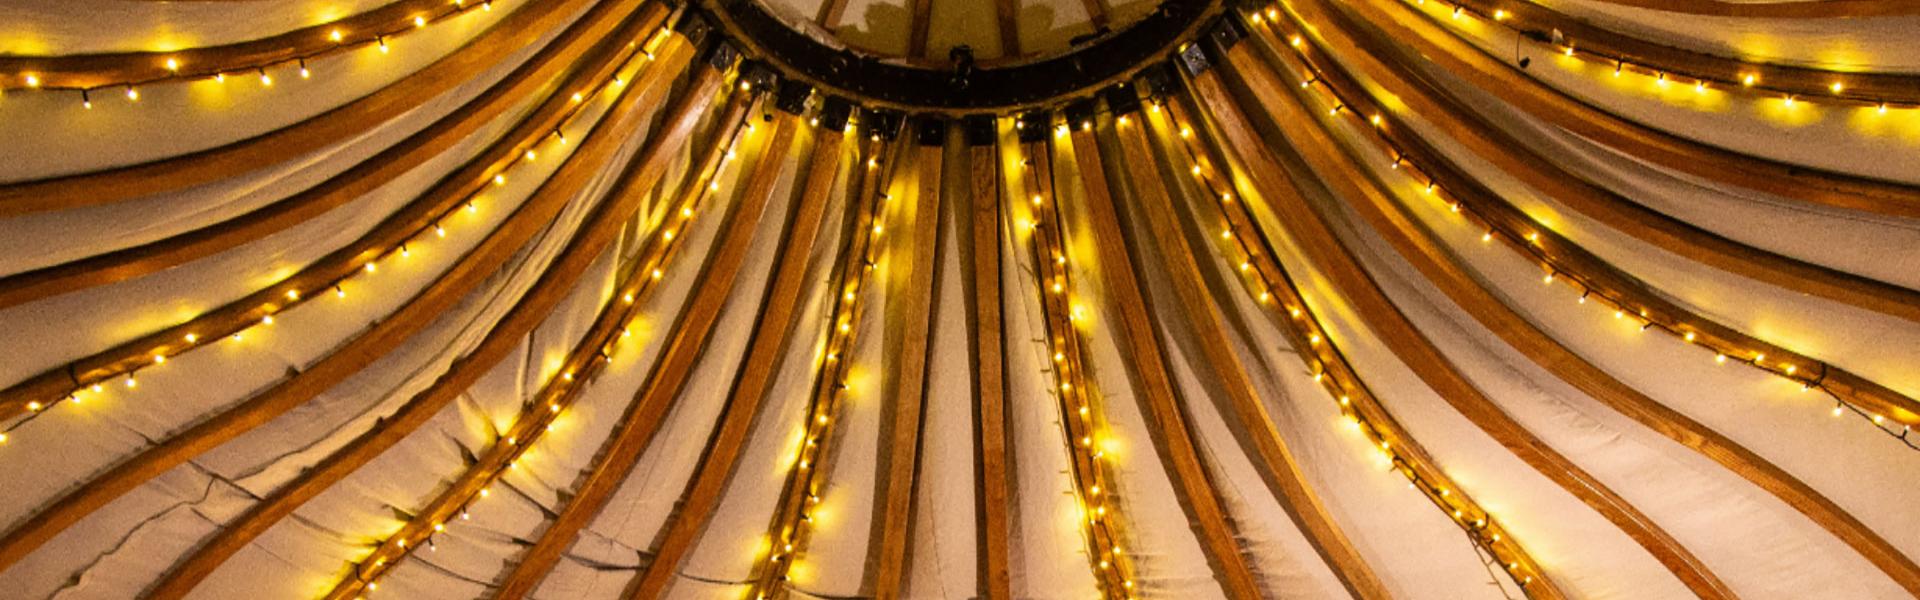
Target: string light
(1352,396)
(794,514)
(1671,324)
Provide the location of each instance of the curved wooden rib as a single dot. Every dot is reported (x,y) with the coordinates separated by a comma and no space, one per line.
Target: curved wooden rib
(1515,157)
(1277,464)
(1891,300)
(1596,383)
(583,363)
(83,71)
(1801,9)
(479,264)
(600,229)
(1156,393)
(806,477)
(980,257)
(1510,85)
(424,213)
(1276,291)
(1082,411)
(538,76)
(1590,42)
(1311,232)
(649,408)
(523,28)
(772,332)
(909,354)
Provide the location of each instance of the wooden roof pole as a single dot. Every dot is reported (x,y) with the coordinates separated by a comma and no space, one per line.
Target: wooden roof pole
(772,333)
(1343,269)
(527,313)
(650,406)
(1156,393)
(980,260)
(1276,462)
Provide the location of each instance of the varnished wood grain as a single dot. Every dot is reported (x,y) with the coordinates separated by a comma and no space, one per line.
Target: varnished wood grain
(981,273)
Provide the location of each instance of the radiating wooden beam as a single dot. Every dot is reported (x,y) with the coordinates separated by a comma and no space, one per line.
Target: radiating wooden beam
(588,358)
(772,333)
(1177,260)
(1097,13)
(1595,382)
(650,406)
(547,292)
(1315,237)
(602,30)
(1006,13)
(988,376)
(1155,388)
(1530,166)
(417,313)
(831,12)
(921,13)
(1282,300)
(512,34)
(1446,51)
(1813,9)
(909,360)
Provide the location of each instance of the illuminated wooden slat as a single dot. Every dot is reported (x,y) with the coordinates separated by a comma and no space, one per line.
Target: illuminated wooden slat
(475,267)
(1861,87)
(438,203)
(811,463)
(831,11)
(602,227)
(906,399)
(525,27)
(583,363)
(1167,423)
(1082,411)
(1815,186)
(1576,262)
(1285,303)
(1546,175)
(1307,227)
(648,410)
(988,373)
(772,332)
(1870,395)
(1276,462)
(79,71)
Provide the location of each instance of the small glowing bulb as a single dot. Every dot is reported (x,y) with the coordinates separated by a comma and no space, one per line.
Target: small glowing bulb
(657,274)
(133,94)
(1748,80)
(500,179)
(1837,87)
(419,21)
(191,338)
(335,36)
(383,45)
(1499,15)
(265,79)
(266,320)
(173,65)
(1689,336)
(1720,359)
(35,406)
(1837,410)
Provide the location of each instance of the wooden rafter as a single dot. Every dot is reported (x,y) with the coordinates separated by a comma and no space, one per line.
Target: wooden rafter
(906,397)
(584,362)
(1006,14)
(466,273)
(1157,396)
(572,176)
(772,332)
(587,50)
(650,406)
(1305,225)
(1595,382)
(921,14)
(988,374)
(1446,51)
(1277,464)
(514,33)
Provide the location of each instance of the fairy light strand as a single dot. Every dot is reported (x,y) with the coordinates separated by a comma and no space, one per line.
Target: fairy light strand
(1081,413)
(280,297)
(336,38)
(1276,293)
(806,480)
(570,379)
(1521,234)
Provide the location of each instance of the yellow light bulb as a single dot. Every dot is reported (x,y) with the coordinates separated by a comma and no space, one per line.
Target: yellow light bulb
(419,21)
(173,65)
